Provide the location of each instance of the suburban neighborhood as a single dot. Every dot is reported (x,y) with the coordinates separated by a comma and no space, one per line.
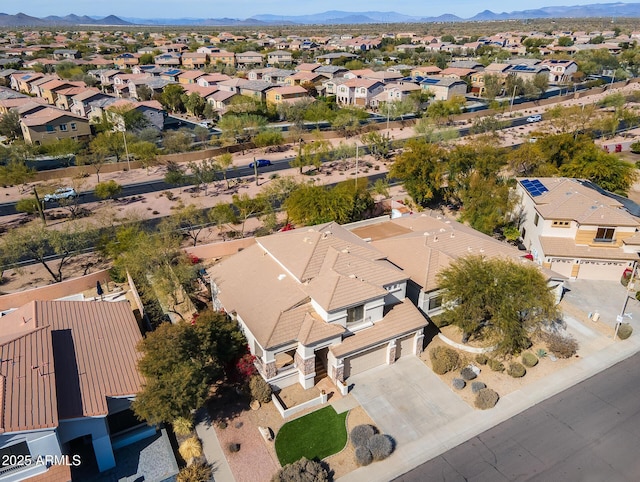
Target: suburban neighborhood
(283,252)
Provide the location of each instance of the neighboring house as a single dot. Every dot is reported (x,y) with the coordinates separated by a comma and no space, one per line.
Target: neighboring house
(331,57)
(209,80)
(167,60)
(575,230)
(301,78)
(424,244)
(49,90)
(248,58)
(528,72)
(318,299)
(66,54)
(190,76)
(80,102)
(279,57)
(358,91)
(277,76)
(126,60)
(152,110)
(561,71)
(50,124)
(444,88)
(67,370)
(456,73)
(65,96)
(395,92)
(384,76)
(221,100)
(194,60)
(256,89)
(425,71)
(222,57)
(290,93)
(330,71)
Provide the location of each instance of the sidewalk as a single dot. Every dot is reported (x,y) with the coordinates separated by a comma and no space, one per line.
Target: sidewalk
(459,430)
(212,450)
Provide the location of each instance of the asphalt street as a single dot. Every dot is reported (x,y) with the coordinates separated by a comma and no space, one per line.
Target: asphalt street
(588,433)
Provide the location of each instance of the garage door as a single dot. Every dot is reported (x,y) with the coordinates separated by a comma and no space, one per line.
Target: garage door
(365,361)
(562,267)
(602,270)
(404,346)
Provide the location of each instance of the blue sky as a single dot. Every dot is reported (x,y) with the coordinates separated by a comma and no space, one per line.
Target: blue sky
(247,8)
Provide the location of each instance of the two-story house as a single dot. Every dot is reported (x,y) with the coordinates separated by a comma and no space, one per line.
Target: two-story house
(286,93)
(50,124)
(575,230)
(249,58)
(314,299)
(280,57)
(444,88)
(561,70)
(358,91)
(194,60)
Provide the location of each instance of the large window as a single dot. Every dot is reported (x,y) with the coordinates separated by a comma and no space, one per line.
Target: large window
(435,302)
(355,315)
(605,235)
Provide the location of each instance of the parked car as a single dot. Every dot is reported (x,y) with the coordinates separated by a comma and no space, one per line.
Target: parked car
(261,163)
(534,118)
(62,193)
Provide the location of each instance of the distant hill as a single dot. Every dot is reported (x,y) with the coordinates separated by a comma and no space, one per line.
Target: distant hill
(332,17)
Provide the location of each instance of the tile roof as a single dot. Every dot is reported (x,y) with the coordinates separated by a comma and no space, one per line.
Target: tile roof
(566,247)
(402,319)
(69,356)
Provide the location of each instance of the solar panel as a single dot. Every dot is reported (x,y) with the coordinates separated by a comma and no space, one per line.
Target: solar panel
(534,187)
(430,81)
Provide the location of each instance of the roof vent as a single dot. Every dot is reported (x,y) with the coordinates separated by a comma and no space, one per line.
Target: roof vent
(427,233)
(281,277)
(469,249)
(453,234)
(435,239)
(482,250)
(305,240)
(442,230)
(352,276)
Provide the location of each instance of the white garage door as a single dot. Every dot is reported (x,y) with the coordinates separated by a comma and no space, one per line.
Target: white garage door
(404,346)
(563,267)
(601,270)
(365,361)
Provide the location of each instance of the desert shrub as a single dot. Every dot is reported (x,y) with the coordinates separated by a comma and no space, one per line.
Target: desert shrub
(495,365)
(260,390)
(468,374)
(444,359)
(541,353)
(380,445)
(360,434)
(363,456)
(516,370)
(529,359)
(458,383)
(625,331)
(182,426)
(482,359)
(561,346)
(190,448)
(303,470)
(195,473)
(486,398)
(234,447)
(477,386)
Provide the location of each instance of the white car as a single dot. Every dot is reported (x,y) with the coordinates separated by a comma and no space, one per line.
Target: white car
(534,118)
(62,193)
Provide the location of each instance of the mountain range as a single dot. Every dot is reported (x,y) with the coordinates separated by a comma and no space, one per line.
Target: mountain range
(332,17)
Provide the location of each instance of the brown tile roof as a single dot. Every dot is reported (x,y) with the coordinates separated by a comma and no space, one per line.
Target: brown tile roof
(402,319)
(566,247)
(77,354)
(46,115)
(333,291)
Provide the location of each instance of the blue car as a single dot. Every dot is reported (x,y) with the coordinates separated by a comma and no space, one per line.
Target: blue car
(261,163)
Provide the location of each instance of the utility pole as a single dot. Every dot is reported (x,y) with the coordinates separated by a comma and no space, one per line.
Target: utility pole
(513,97)
(620,317)
(356,165)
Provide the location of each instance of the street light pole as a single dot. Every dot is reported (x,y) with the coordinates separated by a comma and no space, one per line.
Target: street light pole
(126,149)
(513,97)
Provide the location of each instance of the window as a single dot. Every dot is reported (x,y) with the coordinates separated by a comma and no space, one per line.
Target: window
(536,219)
(63,127)
(51,129)
(605,235)
(355,315)
(435,302)
(74,126)
(560,224)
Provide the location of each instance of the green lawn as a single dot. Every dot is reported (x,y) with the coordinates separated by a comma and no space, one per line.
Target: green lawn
(317,435)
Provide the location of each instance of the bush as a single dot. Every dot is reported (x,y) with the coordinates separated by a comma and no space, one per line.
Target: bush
(182,426)
(516,370)
(27,205)
(561,346)
(482,359)
(234,447)
(486,398)
(107,190)
(190,449)
(495,365)
(541,353)
(360,435)
(477,386)
(303,470)
(458,383)
(444,359)
(381,446)
(363,456)
(529,359)
(625,331)
(260,390)
(195,473)
(467,373)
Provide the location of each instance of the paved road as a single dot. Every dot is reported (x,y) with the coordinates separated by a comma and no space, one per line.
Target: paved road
(588,433)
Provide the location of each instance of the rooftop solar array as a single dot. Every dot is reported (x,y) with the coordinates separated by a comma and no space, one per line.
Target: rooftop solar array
(522,68)
(171,72)
(534,187)
(430,81)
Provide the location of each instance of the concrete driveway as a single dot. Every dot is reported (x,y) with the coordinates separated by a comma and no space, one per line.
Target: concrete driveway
(407,400)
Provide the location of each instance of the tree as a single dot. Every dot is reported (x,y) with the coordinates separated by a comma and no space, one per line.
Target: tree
(268,137)
(27,205)
(317,112)
(107,190)
(486,202)
(107,144)
(247,207)
(432,133)
(503,296)
(191,220)
(222,215)
(177,141)
(194,103)
(146,152)
(201,134)
(36,242)
(541,83)
(347,121)
(492,86)
(181,361)
(204,172)
(378,144)
(146,59)
(421,169)
(513,85)
(10,125)
(175,174)
(16,172)
(144,92)
(171,97)
(311,154)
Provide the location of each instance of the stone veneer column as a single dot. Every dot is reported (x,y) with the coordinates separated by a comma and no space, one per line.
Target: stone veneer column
(305,366)
(270,369)
(339,373)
